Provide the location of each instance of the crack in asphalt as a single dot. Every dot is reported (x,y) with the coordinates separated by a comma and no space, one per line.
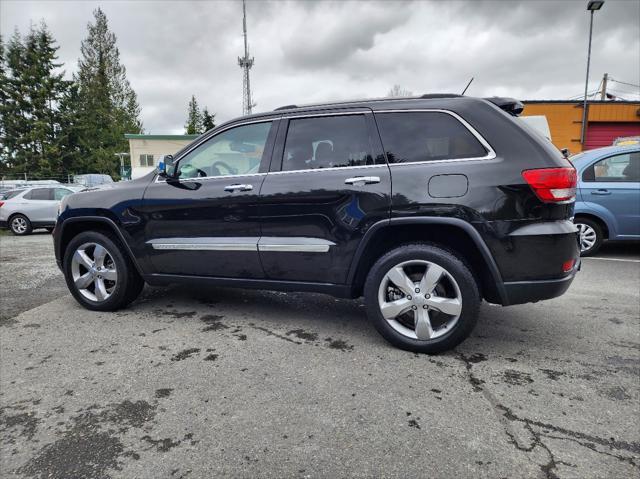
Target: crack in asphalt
(506,417)
(547,469)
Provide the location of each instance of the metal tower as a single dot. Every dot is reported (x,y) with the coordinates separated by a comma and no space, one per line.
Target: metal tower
(245,63)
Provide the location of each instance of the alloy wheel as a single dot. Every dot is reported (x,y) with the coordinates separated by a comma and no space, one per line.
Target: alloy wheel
(94,272)
(19,225)
(420,299)
(588,236)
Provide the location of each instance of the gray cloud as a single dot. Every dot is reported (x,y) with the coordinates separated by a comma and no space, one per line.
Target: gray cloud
(314,51)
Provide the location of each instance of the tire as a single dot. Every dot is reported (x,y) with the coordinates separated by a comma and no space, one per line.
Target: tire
(456,290)
(591,236)
(113,270)
(20,225)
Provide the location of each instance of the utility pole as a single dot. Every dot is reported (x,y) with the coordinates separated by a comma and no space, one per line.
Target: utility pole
(603,92)
(245,63)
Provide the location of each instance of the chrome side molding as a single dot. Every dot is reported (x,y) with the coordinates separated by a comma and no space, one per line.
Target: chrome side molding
(270,244)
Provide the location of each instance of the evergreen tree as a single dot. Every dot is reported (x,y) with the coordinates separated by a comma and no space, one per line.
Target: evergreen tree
(3,100)
(31,90)
(13,122)
(207,120)
(106,105)
(67,140)
(194,118)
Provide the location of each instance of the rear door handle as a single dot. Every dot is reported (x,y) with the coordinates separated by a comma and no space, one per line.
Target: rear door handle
(362,180)
(238,187)
(601,192)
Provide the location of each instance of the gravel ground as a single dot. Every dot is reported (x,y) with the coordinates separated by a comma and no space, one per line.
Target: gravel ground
(29,275)
(219,382)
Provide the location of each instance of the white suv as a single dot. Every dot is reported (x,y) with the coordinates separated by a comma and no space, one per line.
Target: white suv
(23,210)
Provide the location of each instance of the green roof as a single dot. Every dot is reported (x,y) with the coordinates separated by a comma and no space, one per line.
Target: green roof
(136,136)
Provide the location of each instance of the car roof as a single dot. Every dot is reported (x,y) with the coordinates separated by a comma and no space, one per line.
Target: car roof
(589,155)
(428,101)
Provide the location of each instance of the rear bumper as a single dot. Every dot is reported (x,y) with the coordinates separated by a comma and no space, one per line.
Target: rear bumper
(4,224)
(519,292)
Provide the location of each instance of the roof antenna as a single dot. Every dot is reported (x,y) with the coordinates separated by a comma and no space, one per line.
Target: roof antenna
(465,88)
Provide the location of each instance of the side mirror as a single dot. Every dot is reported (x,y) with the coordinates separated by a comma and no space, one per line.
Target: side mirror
(165,166)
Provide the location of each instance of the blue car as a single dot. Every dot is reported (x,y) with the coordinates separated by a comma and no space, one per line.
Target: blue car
(608,198)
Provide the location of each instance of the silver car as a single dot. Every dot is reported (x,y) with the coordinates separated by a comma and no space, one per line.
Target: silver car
(23,210)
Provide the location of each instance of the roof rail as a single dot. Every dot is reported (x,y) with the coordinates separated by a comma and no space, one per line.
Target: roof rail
(286,107)
(367,100)
(510,105)
(427,96)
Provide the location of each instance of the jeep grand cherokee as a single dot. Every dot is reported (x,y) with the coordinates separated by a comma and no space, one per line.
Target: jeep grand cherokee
(425,206)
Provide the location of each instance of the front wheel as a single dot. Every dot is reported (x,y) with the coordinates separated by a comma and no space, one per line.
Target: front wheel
(98,274)
(422,298)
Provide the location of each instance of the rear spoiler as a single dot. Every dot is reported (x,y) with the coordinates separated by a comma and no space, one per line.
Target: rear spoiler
(510,105)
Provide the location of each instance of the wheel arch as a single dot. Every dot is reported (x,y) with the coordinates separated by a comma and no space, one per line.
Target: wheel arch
(16,213)
(593,217)
(451,233)
(71,227)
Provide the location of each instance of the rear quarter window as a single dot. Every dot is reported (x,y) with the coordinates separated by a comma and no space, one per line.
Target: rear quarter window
(7,195)
(426,136)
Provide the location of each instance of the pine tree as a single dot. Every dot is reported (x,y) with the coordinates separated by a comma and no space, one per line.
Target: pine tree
(207,120)
(14,123)
(194,118)
(3,100)
(31,89)
(107,106)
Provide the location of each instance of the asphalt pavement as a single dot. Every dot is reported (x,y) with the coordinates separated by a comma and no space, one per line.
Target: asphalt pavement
(199,383)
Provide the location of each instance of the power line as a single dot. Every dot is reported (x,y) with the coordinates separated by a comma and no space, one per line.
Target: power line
(625,83)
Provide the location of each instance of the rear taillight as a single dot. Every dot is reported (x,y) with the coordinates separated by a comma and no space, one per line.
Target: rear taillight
(552,185)
(1,203)
(568,265)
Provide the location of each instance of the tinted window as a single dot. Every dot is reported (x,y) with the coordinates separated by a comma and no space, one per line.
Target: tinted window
(426,136)
(618,168)
(237,151)
(39,194)
(327,142)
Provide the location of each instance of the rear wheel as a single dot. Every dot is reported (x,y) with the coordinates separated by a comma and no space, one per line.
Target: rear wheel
(590,234)
(99,275)
(20,225)
(422,298)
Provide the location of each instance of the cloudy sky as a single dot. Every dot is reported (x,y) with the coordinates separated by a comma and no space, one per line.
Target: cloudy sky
(311,51)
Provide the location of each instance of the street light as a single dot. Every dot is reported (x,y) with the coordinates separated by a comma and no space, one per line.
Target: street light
(121,156)
(592,6)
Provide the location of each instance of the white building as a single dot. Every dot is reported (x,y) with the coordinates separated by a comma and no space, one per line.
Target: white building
(146,150)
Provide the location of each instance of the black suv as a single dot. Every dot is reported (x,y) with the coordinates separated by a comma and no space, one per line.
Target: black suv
(423,205)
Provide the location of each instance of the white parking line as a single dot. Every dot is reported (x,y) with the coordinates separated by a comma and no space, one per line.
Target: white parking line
(615,259)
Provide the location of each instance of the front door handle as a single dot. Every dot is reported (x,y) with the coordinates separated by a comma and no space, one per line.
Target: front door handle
(362,180)
(601,192)
(238,187)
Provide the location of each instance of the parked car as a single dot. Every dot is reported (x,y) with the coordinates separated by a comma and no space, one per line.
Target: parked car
(92,179)
(425,206)
(23,210)
(608,199)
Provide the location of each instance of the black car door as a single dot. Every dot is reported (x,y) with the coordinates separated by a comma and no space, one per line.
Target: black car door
(328,183)
(205,221)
